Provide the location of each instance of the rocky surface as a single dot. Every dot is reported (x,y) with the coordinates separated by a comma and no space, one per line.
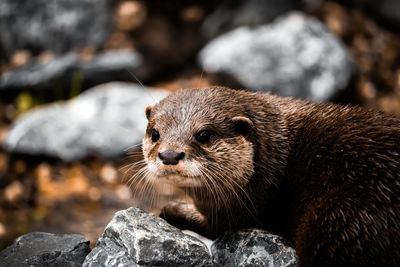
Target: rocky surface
(293,56)
(239,13)
(45,249)
(104,121)
(252,248)
(138,238)
(135,237)
(63,71)
(53,25)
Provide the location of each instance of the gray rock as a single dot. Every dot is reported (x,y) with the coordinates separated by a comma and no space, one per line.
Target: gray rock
(60,71)
(112,65)
(53,25)
(208,242)
(241,13)
(35,74)
(104,121)
(135,238)
(294,56)
(45,249)
(252,248)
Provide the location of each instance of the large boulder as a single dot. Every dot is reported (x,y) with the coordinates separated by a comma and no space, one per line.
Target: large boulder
(45,249)
(294,56)
(135,237)
(53,25)
(104,121)
(252,248)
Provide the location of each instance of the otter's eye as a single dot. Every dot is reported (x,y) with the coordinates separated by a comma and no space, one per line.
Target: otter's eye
(203,137)
(155,135)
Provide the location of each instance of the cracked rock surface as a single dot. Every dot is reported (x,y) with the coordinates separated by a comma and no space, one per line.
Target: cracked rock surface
(135,237)
(252,248)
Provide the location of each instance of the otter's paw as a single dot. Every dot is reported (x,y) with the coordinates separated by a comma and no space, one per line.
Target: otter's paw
(183,216)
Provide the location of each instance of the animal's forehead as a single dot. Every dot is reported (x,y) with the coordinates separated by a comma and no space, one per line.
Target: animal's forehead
(186,107)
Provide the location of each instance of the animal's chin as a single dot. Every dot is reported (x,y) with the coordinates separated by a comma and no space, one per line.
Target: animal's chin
(179,180)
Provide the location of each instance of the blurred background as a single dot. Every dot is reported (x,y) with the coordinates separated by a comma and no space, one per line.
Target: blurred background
(76,75)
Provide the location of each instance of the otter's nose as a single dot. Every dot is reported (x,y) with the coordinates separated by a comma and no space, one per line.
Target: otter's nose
(170,157)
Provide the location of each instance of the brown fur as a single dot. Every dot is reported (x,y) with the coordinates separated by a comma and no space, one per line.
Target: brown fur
(325,176)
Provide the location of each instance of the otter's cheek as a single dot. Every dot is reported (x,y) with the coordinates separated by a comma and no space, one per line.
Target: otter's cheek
(192,168)
(146,144)
(152,167)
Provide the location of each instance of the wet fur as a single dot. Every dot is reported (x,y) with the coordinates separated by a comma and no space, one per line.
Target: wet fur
(322,175)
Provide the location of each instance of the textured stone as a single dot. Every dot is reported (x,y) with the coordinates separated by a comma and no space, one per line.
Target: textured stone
(61,70)
(53,25)
(241,13)
(294,56)
(135,237)
(104,121)
(45,249)
(252,248)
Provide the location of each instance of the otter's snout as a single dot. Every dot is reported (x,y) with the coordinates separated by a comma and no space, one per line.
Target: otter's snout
(170,157)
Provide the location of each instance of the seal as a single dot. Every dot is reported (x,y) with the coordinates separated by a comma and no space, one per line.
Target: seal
(325,176)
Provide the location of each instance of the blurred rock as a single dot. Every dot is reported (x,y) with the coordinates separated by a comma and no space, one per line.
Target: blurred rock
(35,74)
(230,15)
(45,249)
(252,248)
(294,56)
(135,237)
(69,70)
(53,25)
(104,121)
(114,65)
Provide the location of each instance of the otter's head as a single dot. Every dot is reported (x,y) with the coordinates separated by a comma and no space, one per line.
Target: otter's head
(199,139)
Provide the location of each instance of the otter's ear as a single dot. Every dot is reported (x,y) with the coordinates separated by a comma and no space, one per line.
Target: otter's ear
(148,111)
(242,124)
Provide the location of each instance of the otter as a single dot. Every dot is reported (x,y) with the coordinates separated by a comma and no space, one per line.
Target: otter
(325,176)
